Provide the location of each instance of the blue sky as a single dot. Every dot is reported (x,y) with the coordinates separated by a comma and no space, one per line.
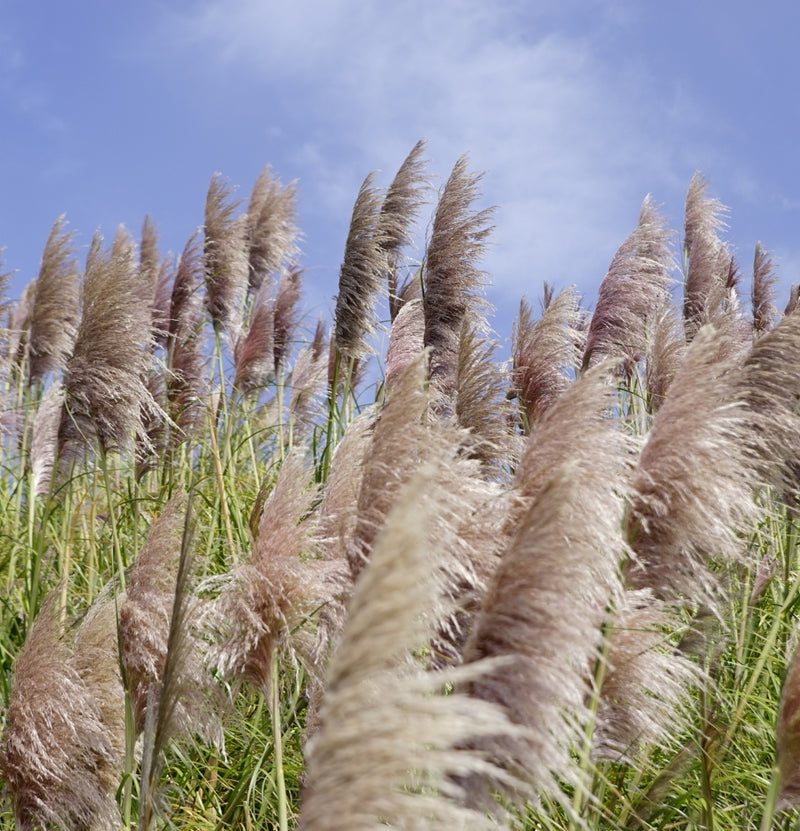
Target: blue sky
(574,110)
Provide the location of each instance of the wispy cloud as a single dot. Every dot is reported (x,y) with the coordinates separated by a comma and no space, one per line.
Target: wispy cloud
(559,131)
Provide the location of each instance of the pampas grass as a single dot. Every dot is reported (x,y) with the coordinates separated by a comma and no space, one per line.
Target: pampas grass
(390,743)
(452,278)
(54,305)
(271,227)
(680,517)
(360,275)
(58,756)
(565,554)
(224,258)
(765,313)
(637,282)
(545,353)
(145,617)
(104,381)
(468,591)
(397,218)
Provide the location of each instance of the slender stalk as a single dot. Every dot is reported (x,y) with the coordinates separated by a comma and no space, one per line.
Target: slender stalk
(771,801)
(112,520)
(277,737)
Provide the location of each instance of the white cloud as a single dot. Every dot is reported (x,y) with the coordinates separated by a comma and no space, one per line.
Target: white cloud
(570,144)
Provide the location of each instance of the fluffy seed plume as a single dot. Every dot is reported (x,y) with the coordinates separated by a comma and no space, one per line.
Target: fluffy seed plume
(398,447)
(307,382)
(707,259)
(545,353)
(44,438)
(149,259)
(481,406)
(459,237)
(645,697)
(569,428)
(105,390)
(692,491)
(57,754)
(765,313)
(187,384)
(182,702)
(390,745)
(665,354)
(769,388)
(145,619)
(271,227)
(55,305)
(565,554)
(361,274)
(397,218)
(269,602)
(405,339)
(287,315)
(254,352)
(637,282)
(224,258)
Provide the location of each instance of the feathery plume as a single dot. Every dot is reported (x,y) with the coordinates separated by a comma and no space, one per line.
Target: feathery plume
(397,218)
(271,227)
(149,260)
(54,306)
(398,447)
(769,388)
(287,314)
(545,353)
(765,314)
(95,656)
(145,618)
(187,384)
(44,439)
(637,282)
(481,407)
(162,300)
(645,697)
(390,744)
(182,701)
(405,339)
(708,261)
(680,515)
(267,602)
(458,240)
(665,354)
(565,553)
(253,354)
(307,382)
(794,299)
(105,390)
(57,754)
(569,428)
(224,258)
(360,275)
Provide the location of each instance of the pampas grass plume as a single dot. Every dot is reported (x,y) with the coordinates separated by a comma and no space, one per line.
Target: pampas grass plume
(57,755)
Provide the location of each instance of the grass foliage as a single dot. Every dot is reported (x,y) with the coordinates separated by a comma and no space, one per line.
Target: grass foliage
(257,573)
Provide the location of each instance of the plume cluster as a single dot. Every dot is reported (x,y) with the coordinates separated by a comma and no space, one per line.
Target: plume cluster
(477,591)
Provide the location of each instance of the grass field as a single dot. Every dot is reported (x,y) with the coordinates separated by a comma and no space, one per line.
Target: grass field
(257,575)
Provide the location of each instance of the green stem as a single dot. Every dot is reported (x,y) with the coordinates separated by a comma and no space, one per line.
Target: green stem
(277,739)
(772,799)
(112,519)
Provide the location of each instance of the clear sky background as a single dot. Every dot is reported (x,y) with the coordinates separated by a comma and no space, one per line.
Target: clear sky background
(574,109)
